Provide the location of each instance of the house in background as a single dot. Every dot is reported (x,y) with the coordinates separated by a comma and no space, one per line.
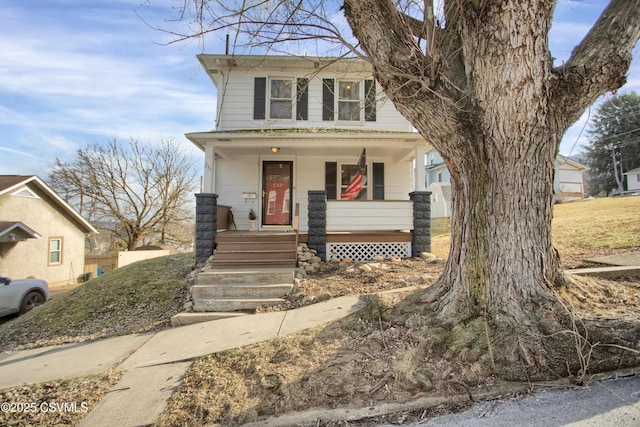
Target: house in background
(436,170)
(40,234)
(567,183)
(633,180)
(440,199)
(317,133)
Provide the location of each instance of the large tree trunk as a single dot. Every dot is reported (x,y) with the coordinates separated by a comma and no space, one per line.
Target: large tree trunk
(486,95)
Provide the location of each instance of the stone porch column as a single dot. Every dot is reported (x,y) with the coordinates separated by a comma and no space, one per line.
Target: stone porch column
(421,222)
(206,225)
(318,222)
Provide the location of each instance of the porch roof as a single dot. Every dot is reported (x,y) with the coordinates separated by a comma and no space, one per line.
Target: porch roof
(397,146)
(16,231)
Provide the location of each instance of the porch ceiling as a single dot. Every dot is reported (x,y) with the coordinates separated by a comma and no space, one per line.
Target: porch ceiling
(396,146)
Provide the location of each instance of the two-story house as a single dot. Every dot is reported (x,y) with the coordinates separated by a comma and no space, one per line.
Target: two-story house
(317,133)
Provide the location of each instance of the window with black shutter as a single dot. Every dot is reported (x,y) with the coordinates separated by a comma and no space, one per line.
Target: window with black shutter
(370,100)
(302,100)
(343,100)
(328,91)
(378,181)
(259,98)
(331,180)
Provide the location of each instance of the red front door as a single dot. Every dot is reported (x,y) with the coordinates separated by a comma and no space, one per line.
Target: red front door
(277,186)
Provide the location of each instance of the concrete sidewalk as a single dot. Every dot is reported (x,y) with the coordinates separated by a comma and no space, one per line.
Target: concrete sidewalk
(155,364)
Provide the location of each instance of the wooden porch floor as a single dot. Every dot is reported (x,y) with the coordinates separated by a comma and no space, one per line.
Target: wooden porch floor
(332,237)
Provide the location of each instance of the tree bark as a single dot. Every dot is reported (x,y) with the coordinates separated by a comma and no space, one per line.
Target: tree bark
(488,98)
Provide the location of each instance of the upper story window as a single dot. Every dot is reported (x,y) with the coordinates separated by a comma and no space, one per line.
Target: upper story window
(349,100)
(280,98)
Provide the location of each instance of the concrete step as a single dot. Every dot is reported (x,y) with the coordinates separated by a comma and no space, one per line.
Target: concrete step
(254,276)
(607,272)
(234,304)
(241,290)
(183,319)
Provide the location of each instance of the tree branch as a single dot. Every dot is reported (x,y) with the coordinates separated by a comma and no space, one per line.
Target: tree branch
(600,62)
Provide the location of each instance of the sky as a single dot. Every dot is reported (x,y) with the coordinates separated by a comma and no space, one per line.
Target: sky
(81,72)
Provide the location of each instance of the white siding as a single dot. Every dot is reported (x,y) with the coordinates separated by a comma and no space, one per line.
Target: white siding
(633,181)
(236,105)
(570,176)
(243,175)
(233,178)
(398,179)
(344,215)
(568,185)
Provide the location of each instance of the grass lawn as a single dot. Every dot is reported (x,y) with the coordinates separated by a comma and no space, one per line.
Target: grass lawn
(585,228)
(140,297)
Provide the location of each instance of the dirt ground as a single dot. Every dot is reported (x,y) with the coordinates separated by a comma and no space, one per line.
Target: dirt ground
(364,360)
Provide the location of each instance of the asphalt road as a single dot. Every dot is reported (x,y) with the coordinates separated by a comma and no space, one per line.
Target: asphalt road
(612,402)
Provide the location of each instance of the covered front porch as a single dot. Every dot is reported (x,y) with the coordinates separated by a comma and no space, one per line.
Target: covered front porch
(358,230)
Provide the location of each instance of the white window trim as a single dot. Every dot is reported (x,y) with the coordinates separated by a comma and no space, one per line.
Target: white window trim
(360,100)
(60,251)
(294,94)
(366,185)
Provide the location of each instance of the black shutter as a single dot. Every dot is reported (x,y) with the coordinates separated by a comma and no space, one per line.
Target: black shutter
(370,100)
(331,180)
(327,99)
(378,181)
(259,98)
(302,102)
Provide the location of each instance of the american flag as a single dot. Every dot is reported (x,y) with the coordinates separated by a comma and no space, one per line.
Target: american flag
(355,185)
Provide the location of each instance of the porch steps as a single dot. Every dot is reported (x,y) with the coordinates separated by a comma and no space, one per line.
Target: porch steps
(241,289)
(249,269)
(254,250)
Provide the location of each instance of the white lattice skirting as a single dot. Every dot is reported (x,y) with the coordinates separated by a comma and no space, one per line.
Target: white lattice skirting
(366,251)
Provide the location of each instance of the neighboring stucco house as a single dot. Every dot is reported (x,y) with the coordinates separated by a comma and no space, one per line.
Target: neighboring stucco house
(567,182)
(633,180)
(291,129)
(40,234)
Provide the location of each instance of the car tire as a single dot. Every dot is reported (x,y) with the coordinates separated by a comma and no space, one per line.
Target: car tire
(32,299)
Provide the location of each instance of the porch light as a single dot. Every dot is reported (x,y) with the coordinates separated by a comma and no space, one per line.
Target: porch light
(275,149)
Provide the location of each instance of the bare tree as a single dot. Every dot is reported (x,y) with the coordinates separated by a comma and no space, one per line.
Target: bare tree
(133,190)
(477,80)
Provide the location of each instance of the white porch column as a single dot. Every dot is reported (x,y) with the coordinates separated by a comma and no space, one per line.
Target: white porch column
(209,179)
(419,173)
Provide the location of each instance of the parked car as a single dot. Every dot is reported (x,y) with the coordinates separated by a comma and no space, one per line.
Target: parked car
(20,296)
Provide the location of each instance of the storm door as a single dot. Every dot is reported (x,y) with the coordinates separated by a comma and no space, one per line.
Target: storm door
(277,188)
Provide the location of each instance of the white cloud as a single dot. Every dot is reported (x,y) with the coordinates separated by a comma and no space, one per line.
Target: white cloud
(75,72)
